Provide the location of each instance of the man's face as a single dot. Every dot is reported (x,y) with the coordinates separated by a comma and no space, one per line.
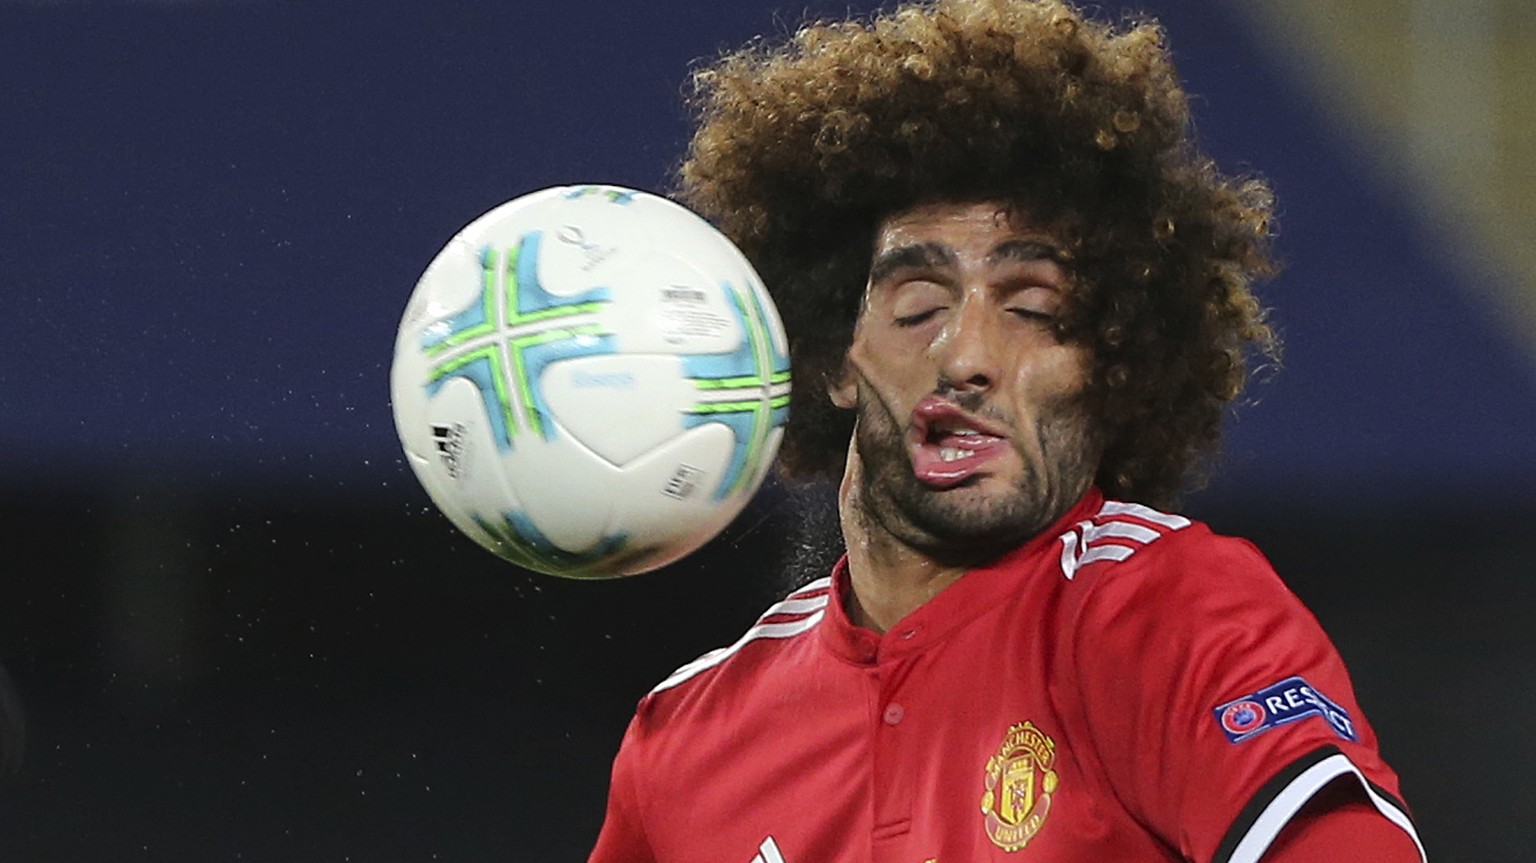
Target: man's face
(971,430)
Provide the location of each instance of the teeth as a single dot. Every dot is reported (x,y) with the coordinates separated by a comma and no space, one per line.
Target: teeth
(954,453)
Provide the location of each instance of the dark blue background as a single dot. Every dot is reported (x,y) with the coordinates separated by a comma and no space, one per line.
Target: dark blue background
(239,630)
(213,214)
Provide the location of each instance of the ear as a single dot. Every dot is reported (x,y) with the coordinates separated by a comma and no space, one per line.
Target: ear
(844,390)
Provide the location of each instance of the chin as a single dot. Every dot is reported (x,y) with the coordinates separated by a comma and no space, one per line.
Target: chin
(970,523)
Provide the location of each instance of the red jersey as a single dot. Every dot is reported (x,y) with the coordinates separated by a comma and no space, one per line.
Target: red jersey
(1127,686)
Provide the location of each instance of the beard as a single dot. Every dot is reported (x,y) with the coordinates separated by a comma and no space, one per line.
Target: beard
(962,526)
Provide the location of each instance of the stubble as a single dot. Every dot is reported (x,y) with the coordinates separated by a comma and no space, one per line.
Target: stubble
(960,526)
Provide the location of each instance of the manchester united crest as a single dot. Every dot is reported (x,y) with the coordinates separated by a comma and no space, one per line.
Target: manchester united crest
(1020,783)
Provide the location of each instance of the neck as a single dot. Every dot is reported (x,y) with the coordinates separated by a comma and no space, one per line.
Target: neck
(889,579)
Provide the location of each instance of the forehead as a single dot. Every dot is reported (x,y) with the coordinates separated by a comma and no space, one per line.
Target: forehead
(975,226)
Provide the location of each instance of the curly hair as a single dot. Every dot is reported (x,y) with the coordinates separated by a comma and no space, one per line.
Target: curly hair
(803,148)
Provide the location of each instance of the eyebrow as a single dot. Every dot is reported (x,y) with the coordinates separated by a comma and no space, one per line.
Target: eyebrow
(918,256)
(910,257)
(1024,251)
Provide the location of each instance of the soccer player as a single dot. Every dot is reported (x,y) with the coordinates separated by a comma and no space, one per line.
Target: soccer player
(1018,302)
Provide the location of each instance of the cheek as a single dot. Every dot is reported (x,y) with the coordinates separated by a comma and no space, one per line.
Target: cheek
(889,362)
(1050,377)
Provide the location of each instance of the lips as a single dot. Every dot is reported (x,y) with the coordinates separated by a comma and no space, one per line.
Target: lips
(949,446)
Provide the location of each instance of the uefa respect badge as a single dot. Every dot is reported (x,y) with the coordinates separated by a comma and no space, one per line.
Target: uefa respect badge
(1290,700)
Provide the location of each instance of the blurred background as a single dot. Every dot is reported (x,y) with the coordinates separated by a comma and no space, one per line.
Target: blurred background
(239,631)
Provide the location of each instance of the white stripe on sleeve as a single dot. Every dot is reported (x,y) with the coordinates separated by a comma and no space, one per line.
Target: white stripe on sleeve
(1292,797)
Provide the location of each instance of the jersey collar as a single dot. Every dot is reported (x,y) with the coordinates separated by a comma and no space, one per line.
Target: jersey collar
(975,592)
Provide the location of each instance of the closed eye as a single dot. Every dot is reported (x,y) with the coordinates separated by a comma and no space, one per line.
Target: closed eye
(918,318)
(1033,315)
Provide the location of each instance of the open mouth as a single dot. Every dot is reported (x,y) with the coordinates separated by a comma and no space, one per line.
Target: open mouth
(949,446)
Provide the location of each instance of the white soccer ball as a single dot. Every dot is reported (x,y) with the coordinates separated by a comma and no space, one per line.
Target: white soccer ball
(590,381)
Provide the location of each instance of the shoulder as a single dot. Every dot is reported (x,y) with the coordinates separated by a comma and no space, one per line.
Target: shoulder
(1131,551)
(1145,584)
(1180,606)
(777,629)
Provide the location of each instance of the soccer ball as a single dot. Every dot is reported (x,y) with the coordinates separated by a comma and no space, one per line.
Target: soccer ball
(590,381)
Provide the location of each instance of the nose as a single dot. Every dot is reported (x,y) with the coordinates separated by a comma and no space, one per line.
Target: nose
(967,350)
